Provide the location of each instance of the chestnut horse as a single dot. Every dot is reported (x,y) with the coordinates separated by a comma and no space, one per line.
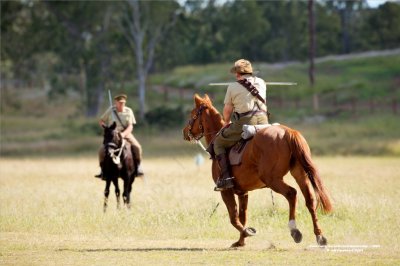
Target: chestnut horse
(118,162)
(267,158)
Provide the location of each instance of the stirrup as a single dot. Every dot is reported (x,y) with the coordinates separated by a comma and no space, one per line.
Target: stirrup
(101,176)
(224,184)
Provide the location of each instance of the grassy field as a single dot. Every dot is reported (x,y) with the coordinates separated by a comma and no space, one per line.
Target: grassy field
(51,206)
(51,213)
(22,136)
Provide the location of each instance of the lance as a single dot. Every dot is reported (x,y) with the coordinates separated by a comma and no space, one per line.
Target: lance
(266,83)
(111,105)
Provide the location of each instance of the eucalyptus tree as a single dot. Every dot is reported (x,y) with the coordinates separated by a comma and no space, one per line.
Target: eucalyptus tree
(23,35)
(311,51)
(144,25)
(84,28)
(287,37)
(197,35)
(349,13)
(244,29)
(382,26)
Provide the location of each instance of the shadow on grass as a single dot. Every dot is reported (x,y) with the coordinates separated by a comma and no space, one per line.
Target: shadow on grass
(142,249)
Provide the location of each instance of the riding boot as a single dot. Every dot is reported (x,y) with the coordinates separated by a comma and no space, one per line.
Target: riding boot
(101,176)
(101,173)
(226,180)
(138,168)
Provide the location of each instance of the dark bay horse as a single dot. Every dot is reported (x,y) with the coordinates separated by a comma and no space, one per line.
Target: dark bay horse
(118,162)
(268,157)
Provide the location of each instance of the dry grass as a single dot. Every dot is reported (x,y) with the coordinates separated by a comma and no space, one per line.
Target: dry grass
(51,212)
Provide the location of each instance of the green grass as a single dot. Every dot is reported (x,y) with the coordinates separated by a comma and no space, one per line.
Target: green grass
(31,124)
(51,212)
(373,135)
(359,77)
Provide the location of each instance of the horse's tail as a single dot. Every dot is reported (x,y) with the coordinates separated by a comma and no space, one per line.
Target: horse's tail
(301,153)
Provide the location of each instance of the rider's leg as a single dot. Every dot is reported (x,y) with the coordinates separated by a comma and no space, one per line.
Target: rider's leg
(101,154)
(225,139)
(136,152)
(226,180)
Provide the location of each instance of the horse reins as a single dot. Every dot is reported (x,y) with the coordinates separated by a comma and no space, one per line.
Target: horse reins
(191,123)
(112,148)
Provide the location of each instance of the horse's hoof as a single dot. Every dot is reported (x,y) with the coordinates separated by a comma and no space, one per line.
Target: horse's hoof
(321,240)
(297,236)
(237,245)
(249,231)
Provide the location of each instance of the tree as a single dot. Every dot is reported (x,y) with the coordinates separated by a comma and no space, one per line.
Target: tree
(145,25)
(86,52)
(328,31)
(348,12)
(383,26)
(243,29)
(311,51)
(286,38)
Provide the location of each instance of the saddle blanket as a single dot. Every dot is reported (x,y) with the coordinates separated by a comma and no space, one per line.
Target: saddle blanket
(236,152)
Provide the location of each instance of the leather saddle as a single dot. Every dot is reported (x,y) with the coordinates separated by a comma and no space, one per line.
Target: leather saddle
(235,153)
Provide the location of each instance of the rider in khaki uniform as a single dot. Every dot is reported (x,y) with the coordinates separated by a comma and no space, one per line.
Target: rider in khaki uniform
(245,109)
(124,125)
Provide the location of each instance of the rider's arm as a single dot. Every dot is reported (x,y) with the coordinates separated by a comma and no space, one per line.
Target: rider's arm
(104,118)
(102,123)
(228,110)
(127,131)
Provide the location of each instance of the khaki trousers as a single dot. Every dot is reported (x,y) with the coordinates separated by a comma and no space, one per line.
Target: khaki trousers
(136,149)
(231,135)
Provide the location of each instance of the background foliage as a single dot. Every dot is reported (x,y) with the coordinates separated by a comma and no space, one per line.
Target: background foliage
(59,58)
(86,47)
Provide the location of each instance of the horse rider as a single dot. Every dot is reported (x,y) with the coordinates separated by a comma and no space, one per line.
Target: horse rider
(245,108)
(125,119)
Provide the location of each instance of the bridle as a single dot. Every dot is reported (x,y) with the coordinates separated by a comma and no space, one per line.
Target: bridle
(114,151)
(191,123)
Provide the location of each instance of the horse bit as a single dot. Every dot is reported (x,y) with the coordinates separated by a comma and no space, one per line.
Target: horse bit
(191,123)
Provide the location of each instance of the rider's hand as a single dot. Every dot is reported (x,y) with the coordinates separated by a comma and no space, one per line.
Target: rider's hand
(227,125)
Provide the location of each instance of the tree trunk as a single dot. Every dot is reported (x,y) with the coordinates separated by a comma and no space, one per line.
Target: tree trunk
(311,52)
(143,44)
(344,21)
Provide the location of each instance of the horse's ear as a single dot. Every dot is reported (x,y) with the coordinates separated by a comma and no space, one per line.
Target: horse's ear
(197,99)
(113,126)
(207,98)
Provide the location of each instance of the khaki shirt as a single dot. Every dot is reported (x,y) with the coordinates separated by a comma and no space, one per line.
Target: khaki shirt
(241,98)
(127,118)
